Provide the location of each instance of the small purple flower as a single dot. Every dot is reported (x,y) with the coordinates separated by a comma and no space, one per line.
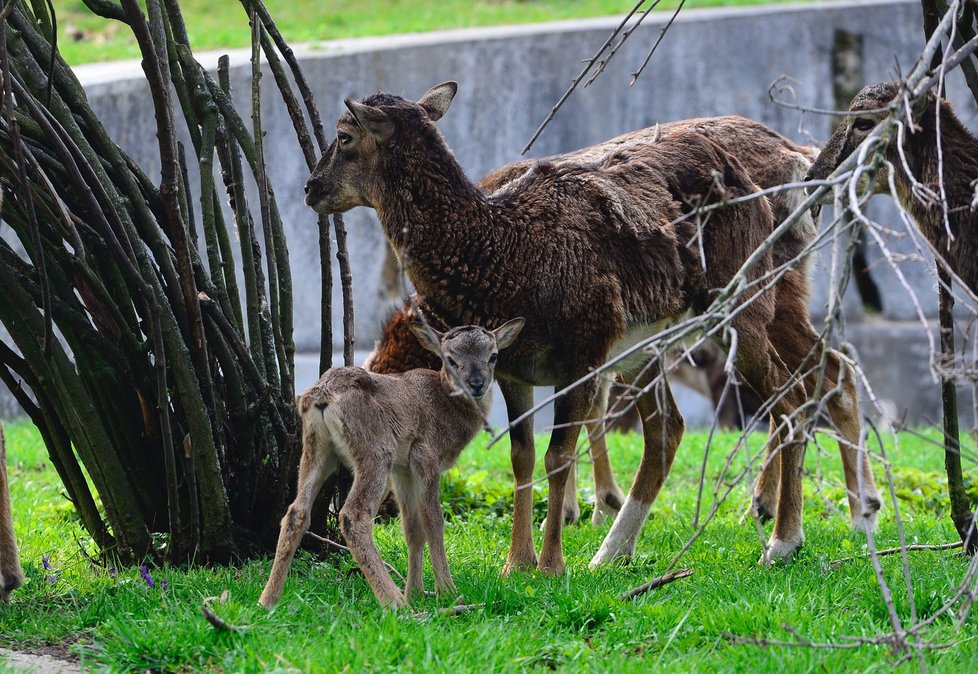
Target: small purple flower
(144,572)
(112,572)
(165,584)
(46,563)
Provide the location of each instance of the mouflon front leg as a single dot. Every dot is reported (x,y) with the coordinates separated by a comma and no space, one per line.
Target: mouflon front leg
(570,411)
(519,399)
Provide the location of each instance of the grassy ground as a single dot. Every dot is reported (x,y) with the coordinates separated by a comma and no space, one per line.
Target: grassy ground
(329,621)
(220,24)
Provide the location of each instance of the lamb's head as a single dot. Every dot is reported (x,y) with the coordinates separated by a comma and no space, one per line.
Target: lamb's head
(469,353)
(867,109)
(356,167)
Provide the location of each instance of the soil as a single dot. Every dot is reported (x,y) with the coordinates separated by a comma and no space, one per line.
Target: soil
(46,659)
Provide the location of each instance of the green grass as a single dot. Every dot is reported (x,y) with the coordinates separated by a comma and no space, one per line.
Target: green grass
(222,24)
(329,621)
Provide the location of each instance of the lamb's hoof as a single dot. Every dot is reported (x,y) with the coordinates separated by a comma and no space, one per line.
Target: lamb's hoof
(267,602)
(442,589)
(606,506)
(780,551)
(866,520)
(410,593)
(395,602)
(519,563)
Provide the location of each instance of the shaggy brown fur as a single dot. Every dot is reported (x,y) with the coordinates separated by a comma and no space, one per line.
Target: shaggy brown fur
(771,160)
(407,428)
(11,575)
(595,255)
(960,154)
(398,351)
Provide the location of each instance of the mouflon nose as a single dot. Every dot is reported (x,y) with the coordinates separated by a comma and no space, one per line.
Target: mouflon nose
(477,386)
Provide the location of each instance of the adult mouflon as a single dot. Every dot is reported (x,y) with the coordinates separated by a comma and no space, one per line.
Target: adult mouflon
(926,181)
(595,254)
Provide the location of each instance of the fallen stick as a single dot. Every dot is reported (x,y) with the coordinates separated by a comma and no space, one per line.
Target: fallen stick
(892,551)
(459,609)
(656,583)
(213,619)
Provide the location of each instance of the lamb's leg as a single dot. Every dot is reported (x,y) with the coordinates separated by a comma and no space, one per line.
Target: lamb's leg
(410,503)
(569,413)
(317,463)
(356,525)
(434,525)
(519,399)
(662,428)
(11,575)
(608,496)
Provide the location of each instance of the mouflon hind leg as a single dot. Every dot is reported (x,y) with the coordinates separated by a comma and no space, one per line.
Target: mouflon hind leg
(662,430)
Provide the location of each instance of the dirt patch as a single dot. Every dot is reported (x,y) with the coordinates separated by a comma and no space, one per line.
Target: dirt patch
(41,660)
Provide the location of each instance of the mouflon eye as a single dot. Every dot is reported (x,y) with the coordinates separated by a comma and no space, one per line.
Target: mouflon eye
(863,124)
(344,138)
(493,358)
(451,362)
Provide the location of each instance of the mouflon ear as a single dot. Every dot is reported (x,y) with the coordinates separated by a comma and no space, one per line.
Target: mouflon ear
(372,120)
(506,333)
(428,336)
(437,99)
(923,103)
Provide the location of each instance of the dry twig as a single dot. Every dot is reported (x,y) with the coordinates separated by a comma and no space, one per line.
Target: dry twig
(893,551)
(656,583)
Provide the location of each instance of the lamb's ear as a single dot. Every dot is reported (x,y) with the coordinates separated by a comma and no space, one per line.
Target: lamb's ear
(372,120)
(437,99)
(428,336)
(507,332)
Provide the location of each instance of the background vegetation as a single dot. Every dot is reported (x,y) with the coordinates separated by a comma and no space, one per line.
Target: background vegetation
(328,619)
(85,37)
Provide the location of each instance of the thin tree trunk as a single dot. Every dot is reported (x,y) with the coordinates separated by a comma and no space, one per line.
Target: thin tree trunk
(961,515)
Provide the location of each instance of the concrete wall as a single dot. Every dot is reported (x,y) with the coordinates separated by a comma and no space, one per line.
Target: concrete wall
(715,61)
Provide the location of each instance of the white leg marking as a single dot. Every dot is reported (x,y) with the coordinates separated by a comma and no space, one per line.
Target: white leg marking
(621,538)
(779,551)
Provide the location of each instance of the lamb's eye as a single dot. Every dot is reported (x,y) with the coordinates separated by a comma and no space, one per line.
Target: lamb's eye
(344,138)
(451,362)
(493,358)
(863,124)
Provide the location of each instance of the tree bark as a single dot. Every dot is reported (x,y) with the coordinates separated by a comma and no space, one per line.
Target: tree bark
(175,391)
